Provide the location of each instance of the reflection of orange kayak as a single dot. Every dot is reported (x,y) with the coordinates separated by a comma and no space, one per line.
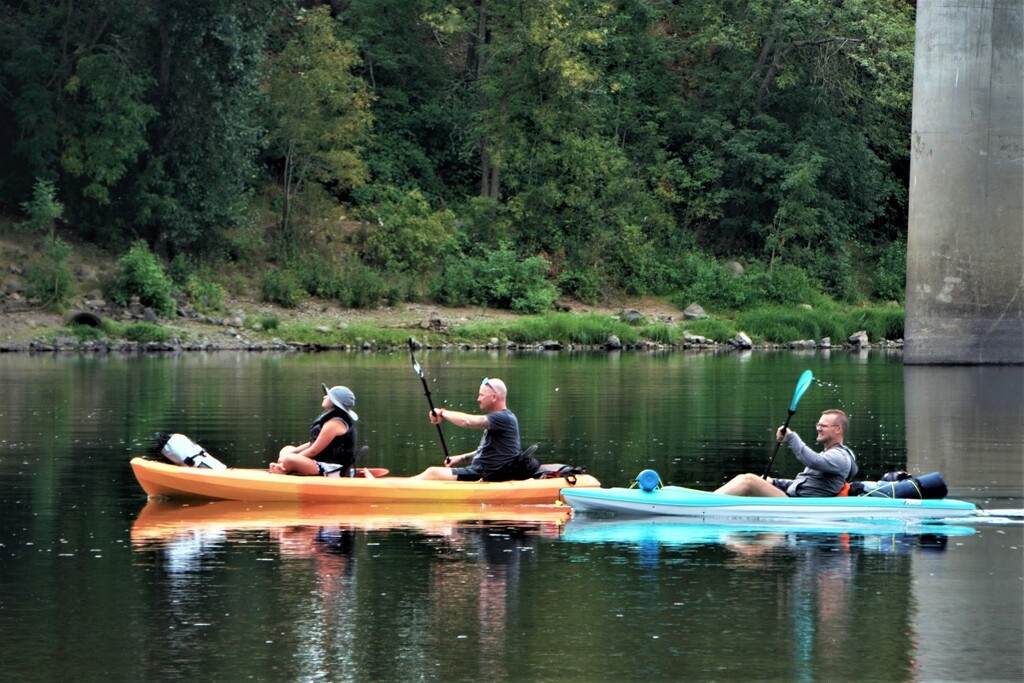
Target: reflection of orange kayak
(174,481)
(163,520)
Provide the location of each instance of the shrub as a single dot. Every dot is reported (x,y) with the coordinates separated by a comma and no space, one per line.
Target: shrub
(267,323)
(784,284)
(354,285)
(196,280)
(206,295)
(708,283)
(139,274)
(406,235)
(281,287)
(365,287)
(454,284)
(50,281)
(584,285)
(889,278)
(713,286)
(142,333)
(43,209)
(501,279)
(85,333)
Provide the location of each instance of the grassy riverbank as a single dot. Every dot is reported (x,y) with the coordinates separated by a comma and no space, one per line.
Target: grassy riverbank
(765,326)
(241,317)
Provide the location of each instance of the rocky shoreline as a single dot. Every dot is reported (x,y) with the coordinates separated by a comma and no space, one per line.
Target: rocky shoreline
(37,332)
(227,335)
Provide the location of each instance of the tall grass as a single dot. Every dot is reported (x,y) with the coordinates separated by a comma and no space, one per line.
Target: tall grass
(568,328)
(781,324)
(350,335)
(771,324)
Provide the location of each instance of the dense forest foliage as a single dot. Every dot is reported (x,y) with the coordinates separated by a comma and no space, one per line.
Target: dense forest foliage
(498,152)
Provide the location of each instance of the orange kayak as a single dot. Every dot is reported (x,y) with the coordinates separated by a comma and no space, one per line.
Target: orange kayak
(174,481)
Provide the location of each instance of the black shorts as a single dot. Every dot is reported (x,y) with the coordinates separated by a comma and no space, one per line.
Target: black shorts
(466,474)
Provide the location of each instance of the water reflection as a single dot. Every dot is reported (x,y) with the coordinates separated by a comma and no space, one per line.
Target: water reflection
(810,591)
(164,522)
(967,421)
(327,557)
(475,591)
(751,540)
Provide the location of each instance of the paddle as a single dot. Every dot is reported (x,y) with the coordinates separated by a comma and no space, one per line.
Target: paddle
(801,386)
(426,389)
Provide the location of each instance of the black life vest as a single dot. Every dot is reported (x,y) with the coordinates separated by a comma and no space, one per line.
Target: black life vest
(342,449)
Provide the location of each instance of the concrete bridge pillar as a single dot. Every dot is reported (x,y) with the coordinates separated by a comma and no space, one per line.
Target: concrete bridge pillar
(965,244)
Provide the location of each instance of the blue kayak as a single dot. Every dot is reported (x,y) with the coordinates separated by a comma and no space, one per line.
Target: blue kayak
(678,501)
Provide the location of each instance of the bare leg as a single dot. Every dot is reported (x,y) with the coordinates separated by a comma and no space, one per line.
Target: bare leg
(749,485)
(436,474)
(289,463)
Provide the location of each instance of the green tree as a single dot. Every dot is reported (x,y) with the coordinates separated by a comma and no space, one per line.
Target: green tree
(77,108)
(405,235)
(50,280)
(411,62)
(100,144)
(792,116)
(319,110)
(43,210)
(555,89)
(207,57)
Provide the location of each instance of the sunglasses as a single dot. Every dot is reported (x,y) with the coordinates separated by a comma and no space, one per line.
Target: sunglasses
(487,383)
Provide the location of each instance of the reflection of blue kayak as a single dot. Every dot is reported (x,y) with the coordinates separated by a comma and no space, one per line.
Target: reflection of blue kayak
(677,501)
(673,531)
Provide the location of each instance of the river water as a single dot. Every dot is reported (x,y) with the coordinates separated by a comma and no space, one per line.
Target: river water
(98,584)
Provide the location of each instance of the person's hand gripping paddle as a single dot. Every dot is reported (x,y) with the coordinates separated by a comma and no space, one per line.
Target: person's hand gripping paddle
(426,389)
(801,386)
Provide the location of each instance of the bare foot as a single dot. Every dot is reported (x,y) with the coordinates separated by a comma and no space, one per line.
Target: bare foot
(276,468)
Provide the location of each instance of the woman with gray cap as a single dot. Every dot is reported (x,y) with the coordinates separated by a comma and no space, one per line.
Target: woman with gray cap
(332,439)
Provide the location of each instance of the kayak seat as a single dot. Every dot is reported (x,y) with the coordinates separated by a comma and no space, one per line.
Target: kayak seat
(845,491)
(528,453)
(334,470)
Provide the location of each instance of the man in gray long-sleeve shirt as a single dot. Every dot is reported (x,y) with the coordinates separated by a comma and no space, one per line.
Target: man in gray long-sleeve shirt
(824,473)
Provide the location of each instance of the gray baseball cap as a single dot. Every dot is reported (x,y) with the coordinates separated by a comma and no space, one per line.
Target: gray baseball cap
(343,398)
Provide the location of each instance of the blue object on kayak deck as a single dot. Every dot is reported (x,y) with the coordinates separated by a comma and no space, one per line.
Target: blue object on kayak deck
(648,480)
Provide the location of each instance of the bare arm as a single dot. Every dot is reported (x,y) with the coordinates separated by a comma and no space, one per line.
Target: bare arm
(459,419)
(331,430)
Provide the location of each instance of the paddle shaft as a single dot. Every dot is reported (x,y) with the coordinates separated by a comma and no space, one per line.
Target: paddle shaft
(426,390)
(785,428)
(801,386)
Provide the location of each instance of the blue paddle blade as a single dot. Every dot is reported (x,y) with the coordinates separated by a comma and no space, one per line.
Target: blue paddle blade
(801,387)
